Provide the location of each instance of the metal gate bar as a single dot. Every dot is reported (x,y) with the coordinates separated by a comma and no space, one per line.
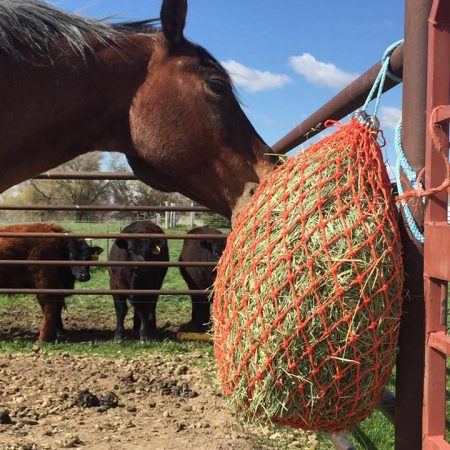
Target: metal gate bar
(62,263)
(124,176)
(7,234)
(437,231)
(12,291)
(348,100)
(410,361)
(102,208)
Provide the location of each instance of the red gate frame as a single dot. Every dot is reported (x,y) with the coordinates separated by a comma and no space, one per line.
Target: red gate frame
(437,230)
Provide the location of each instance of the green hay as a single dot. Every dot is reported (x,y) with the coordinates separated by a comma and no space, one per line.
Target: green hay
(301,395)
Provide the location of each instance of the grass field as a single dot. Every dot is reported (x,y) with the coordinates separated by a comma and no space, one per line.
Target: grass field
(97,313)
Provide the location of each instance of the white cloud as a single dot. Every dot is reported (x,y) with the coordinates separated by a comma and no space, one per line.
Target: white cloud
(321,73)
(389,117)
(253,80)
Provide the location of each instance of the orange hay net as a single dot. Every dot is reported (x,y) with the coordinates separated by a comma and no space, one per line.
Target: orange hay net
(308,291)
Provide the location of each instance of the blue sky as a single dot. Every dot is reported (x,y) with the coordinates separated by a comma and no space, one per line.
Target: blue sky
(287,57)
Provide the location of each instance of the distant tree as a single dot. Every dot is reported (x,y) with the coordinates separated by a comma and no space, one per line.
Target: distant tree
(18,195)
(215,220)
(87,192)
(71,192)
(136,193)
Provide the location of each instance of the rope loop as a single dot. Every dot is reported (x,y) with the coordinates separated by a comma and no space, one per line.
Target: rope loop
(387,56)
(403,163)
(416,180)
(378,86)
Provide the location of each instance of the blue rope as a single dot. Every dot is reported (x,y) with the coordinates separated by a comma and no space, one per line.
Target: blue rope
(381,78)
(402,163)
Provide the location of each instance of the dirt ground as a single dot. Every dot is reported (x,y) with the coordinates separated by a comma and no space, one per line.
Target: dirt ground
(165,401)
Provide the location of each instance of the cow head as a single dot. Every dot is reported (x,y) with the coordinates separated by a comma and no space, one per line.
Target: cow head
(79,250)
(142,249)
(214,246)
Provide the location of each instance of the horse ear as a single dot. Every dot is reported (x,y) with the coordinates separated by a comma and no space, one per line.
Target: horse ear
(173,19)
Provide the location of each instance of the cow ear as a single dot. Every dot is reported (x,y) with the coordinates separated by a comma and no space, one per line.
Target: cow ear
(96,252)
(71,246)
(122,243)
(173,19)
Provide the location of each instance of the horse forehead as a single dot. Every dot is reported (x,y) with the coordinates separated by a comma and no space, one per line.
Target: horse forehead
(189,63)
(189,56)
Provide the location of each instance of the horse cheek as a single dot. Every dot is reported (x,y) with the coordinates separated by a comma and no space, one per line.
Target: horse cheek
(142,135)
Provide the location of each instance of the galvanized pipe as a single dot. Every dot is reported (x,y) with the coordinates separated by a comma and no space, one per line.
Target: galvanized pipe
(348,100)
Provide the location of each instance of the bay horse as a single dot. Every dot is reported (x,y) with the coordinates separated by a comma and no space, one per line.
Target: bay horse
(70,85)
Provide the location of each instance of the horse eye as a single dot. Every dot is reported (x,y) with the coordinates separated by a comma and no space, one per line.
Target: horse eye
(218,85)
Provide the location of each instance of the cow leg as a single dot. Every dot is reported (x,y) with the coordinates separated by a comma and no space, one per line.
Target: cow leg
(152,312)
(49,320)
(60,334)
(121,308)
(136,322)
(145,308)
(201,314)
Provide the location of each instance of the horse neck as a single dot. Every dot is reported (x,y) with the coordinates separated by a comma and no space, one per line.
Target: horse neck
(51,114)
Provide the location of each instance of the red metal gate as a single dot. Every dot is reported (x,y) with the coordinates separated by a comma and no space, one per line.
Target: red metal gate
(437,230)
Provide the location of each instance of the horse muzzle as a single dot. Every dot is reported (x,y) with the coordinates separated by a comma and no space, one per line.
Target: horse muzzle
(243,201)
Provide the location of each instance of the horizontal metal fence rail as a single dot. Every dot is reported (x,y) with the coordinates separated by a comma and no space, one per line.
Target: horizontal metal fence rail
(348,100)
(13,291)
(103,208)
(6,234)
(65,263)
(124,176)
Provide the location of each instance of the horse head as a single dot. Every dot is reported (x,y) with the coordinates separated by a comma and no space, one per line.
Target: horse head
(188,129)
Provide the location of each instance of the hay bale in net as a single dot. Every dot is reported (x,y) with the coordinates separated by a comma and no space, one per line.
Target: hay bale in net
(308,291)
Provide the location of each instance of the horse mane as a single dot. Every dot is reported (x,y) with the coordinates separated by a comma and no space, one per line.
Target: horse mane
(33,26)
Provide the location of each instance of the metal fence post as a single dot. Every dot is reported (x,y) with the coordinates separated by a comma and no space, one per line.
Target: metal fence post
(410,361)
(167,216)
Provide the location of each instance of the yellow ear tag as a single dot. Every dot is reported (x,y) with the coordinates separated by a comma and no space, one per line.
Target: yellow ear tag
(94,257)
(156,250)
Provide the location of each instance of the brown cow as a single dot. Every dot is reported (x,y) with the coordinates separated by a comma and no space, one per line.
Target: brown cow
(44,277)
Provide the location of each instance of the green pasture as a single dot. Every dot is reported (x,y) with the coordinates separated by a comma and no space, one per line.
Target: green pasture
(374,433)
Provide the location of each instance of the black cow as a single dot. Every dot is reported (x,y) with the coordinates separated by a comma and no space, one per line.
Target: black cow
(201,250)
(138,277)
